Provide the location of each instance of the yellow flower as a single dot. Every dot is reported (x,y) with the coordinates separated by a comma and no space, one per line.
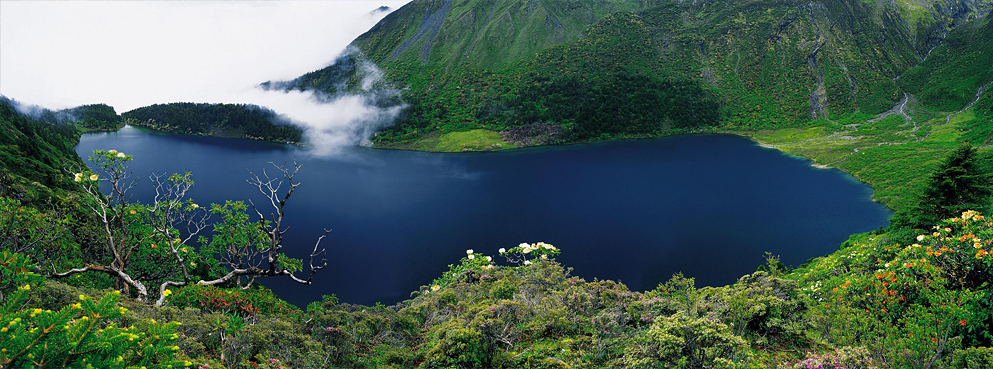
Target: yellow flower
(94,177)
(166,292)
(112,151)
(435,287)
(192,264)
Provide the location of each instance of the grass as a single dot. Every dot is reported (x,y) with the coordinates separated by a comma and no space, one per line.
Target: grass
(474,140)
(893,155)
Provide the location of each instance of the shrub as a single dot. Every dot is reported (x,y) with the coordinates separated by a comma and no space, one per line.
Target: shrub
(682,341)
(256,300)
(971,358)
(81,335)
(842,358)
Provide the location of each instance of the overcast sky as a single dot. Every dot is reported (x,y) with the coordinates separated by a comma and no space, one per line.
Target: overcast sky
(61,54)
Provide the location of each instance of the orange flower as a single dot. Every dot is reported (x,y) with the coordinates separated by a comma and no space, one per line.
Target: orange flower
(153,246)
(908,265)
(930,253)
(962,322)
(944,249)
(879,276)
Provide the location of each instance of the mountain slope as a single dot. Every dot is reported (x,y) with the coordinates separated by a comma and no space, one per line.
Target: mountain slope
(35,156)
(743,65)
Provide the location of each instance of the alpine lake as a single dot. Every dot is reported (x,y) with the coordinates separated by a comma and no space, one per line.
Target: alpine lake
(636,211)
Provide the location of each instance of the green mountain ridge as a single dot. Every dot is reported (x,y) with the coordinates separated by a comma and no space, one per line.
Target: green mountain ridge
(768,63)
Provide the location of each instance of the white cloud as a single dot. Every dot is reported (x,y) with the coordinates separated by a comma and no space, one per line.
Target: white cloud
(133,54)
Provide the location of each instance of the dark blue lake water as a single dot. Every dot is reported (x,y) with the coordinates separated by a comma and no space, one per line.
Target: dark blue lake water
(709,206)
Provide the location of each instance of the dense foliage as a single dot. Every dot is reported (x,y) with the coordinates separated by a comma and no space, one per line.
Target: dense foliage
(33,155)
(226,120)
(97,117)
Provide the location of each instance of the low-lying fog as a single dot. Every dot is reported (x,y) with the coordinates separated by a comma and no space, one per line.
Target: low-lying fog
(132,54)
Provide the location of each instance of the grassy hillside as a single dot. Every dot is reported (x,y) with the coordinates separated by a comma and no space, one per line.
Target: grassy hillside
(742,65)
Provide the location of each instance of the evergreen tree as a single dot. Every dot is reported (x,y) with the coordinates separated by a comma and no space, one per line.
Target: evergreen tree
(960,184)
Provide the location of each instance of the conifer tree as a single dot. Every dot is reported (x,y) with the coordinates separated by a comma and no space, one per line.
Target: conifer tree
(958,185)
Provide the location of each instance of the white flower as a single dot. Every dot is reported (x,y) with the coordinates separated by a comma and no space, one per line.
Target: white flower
(524,245)
(544,256)
(488,266)
(195,206)
(920,237)
(471,256)
(78,177)
(527,250)
(489,258)
(502,250)
(94,177)
(527,262)
(120,155)
(469,251)
(112,151)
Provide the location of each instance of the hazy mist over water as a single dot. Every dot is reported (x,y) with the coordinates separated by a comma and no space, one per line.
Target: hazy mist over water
(132,54)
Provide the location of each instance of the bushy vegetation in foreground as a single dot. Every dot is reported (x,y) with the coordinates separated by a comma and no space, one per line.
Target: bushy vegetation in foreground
(872,304)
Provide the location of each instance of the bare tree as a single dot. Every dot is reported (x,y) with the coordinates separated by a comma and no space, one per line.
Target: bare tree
(247,249)
(260,253)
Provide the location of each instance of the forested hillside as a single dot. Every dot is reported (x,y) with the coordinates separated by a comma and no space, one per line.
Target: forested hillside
(34,156)
(224,120)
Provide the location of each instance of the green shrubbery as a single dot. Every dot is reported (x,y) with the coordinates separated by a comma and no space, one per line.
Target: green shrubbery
(237,302)
(81,335)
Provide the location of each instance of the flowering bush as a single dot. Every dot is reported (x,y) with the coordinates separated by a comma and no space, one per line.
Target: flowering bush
(842,358)
(525,253)
(257,300)
(468,267)
(925,301)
